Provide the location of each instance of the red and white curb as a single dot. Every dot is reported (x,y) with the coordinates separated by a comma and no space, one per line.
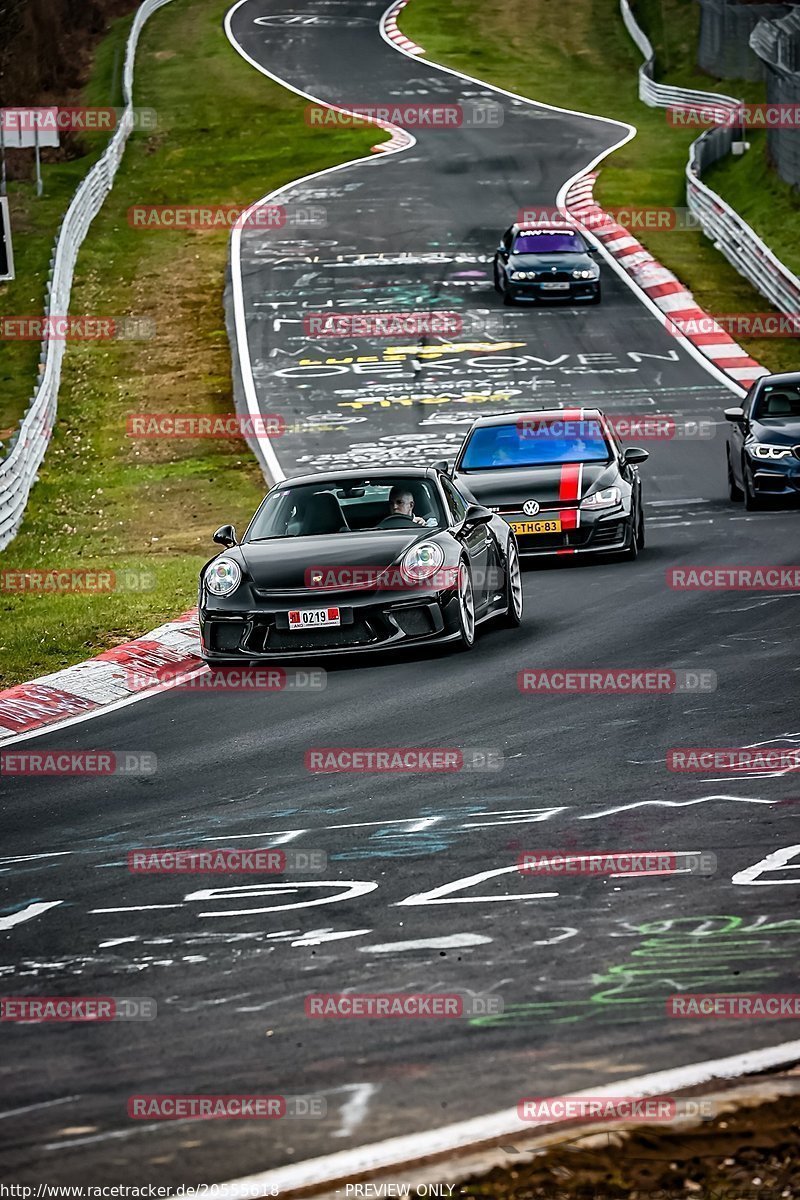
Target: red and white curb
(400,140)
(108,680)
(394,34)
(663,288)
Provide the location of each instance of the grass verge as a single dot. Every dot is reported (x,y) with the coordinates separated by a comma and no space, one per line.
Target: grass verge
(586,60)
(34,222)
(104,501)
(751,186)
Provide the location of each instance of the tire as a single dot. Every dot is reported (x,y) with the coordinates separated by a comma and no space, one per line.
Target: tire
(641,530)
(466,607)
(512,617)
(597,297)
(734,491)
(497,286)
(631,553)
(752,502)
(508,299)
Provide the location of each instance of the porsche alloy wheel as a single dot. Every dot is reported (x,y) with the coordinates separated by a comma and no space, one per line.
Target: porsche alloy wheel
(466,607)
(513,613)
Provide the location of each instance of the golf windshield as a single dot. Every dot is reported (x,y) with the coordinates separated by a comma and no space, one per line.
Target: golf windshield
(547,241)
(529,442)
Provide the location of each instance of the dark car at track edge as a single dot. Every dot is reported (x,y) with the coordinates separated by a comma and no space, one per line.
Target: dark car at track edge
(763,449)
(354,561)
(545,262)
(559,477)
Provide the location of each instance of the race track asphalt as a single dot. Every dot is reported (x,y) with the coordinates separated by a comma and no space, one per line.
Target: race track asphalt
(584,965)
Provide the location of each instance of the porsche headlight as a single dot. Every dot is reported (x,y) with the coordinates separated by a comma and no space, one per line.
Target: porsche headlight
(766,450)
(605,498)
(421,561)
(223,577)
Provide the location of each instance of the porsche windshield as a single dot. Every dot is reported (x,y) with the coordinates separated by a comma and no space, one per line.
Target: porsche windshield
(532,442)
(347,506)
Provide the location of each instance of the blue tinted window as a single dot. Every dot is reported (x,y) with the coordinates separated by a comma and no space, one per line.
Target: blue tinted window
(532,443)
(545,242)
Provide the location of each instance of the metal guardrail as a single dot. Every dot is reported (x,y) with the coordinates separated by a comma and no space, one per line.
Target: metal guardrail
(731,234)
(27,449)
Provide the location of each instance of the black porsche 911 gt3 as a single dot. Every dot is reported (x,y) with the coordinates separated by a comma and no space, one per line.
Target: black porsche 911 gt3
(559,477)
(545,263)
(357,561)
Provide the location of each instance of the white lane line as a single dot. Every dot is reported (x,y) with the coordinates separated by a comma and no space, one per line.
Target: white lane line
(353,1112)
(273,470)
(32,857)
(16,1112)
(637,290)
(134,908)
(607,812)
(28,913)
(452,942)
(401,1153)
(675,503)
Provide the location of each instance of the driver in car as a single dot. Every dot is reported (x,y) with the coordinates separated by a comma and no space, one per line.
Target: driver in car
(401,510)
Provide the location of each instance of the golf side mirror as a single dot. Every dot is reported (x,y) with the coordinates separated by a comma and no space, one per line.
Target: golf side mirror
(635,455)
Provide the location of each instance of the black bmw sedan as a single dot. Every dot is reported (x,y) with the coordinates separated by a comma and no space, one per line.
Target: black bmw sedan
(358,561)
(559,477)
(545,263)
(763,448)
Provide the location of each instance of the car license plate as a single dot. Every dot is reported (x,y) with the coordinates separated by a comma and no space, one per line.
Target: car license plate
(526,527)
(552,286)
(314,618)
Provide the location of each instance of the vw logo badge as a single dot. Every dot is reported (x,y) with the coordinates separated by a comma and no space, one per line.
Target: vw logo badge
(530,508)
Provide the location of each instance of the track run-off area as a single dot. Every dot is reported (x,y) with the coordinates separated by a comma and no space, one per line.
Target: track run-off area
(421,891)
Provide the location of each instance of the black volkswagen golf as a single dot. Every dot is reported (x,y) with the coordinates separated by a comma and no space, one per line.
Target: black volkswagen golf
(358,560)
(559,477)
(763,448)
(545,263)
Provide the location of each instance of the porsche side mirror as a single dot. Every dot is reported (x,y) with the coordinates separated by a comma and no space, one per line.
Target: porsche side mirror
(477,515)
(735,415)
(634,455)
(225,535)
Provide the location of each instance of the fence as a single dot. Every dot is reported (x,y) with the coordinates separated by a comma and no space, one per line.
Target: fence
(19,467)
(724,48)
(731,235)
(777,44)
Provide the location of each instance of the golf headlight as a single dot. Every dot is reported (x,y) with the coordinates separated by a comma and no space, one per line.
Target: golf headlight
(587,273)
(421,561)
(223,577)
(765,450)
(605,498)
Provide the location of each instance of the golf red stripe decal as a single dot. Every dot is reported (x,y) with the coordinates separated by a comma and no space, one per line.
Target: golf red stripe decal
(569,489)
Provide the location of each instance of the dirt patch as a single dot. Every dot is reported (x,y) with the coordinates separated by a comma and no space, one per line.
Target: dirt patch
(753,1152)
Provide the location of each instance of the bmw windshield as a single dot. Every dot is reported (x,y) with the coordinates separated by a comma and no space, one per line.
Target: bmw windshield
(548,242)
